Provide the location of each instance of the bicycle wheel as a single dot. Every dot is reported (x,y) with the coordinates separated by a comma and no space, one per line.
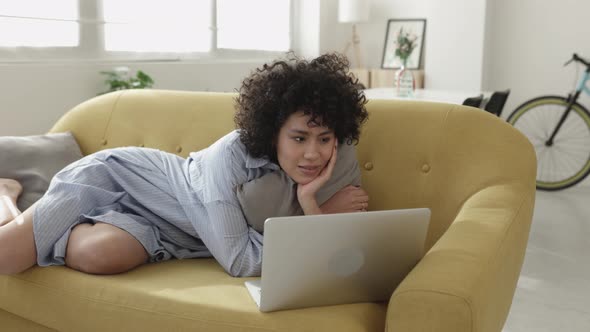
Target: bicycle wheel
(567,161)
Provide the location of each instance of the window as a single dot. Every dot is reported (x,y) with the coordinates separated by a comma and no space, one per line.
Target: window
(253,24)
(157,25)
(39,23)
(142,28)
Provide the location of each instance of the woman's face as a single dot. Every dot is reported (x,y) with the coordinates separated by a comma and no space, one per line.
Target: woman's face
(304,148)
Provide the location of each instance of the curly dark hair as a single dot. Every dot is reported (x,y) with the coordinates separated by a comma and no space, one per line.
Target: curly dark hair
(322,88)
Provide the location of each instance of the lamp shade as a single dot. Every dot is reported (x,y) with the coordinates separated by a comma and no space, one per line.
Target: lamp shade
(353,11)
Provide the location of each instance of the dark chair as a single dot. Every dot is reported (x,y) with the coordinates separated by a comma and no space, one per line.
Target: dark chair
(473,101)
(496,102)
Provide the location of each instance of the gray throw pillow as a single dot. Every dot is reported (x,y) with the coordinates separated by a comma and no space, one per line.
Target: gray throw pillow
(34,160)
(275,194)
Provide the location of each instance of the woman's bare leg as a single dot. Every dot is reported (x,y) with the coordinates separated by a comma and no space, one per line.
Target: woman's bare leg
(103,249)
(9,192)
(17,244)
(98,249)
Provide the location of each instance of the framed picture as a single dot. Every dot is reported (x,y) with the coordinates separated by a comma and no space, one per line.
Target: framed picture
(411,30)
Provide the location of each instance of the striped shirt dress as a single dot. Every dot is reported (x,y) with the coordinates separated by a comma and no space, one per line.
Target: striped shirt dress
(175,207)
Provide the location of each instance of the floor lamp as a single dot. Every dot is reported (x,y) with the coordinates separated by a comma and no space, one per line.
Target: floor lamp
(353,11)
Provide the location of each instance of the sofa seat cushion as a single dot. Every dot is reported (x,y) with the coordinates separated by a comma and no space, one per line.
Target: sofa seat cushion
(168,296)
(10,322)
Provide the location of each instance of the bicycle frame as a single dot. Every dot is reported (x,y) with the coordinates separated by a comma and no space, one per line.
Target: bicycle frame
(572,99)
(582,84)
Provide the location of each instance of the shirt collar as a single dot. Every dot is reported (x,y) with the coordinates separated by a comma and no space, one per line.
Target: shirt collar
(252,162)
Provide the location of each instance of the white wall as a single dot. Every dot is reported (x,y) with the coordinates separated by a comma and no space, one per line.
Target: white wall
(307,28)
(453,47)
(529,42)
(474,45)
(455,40)
(470,45)
(34,96)
(334,35)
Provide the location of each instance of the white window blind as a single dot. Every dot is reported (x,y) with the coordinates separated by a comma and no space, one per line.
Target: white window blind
(39,23)
(253,24)
(157,25)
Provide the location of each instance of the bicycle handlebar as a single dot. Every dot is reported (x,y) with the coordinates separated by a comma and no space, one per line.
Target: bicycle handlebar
(577,58)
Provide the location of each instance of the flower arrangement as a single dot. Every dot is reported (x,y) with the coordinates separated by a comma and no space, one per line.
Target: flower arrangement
(405,44)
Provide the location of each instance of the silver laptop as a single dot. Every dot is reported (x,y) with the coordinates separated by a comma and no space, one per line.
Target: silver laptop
(337,258)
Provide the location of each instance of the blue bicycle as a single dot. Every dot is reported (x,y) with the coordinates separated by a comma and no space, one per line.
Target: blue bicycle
(559,128)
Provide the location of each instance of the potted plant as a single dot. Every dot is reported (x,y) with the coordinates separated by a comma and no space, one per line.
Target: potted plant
(120,79)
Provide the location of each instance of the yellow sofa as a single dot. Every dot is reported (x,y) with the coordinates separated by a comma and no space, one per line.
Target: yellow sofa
(475,172)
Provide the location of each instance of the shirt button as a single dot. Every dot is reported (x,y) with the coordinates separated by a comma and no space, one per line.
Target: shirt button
(179,149)
(142,145)
(425,168)
(369,166)
(103,142)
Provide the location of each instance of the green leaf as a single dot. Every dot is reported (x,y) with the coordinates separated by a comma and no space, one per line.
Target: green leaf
(116,81)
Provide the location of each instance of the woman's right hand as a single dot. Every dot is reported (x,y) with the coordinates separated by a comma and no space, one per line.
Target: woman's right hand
(306,192)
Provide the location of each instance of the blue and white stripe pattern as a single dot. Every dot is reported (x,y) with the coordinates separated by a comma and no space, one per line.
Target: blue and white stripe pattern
(176,207)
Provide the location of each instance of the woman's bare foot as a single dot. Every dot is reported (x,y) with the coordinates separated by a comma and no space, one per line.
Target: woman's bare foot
(9,192)
(10,188)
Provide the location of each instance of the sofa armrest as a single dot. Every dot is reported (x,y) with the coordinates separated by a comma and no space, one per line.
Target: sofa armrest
(466,282)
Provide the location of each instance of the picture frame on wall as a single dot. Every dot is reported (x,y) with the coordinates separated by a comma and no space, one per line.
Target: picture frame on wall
(411,28)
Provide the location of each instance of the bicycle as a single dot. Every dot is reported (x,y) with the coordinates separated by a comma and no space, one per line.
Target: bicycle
(559,129)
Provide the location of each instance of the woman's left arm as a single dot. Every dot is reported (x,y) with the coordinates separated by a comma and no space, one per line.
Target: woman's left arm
(347,199)
(234,244)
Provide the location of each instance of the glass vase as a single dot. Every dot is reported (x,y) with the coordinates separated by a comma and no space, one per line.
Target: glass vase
(404,82)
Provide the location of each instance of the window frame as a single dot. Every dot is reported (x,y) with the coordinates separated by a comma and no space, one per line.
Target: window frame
(91,45)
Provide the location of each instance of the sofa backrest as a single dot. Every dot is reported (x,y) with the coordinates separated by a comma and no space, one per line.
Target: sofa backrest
(411,154)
